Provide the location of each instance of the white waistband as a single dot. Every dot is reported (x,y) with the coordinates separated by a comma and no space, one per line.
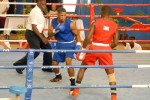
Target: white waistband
(100,44)
(66,42)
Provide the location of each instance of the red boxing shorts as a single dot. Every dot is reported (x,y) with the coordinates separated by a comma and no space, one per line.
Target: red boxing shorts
(103,58)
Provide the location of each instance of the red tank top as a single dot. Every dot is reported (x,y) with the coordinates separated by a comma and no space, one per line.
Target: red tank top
(104,31)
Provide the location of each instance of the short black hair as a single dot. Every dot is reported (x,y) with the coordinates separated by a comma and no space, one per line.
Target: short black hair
(40,0)
(106,10)
(133,37)
(61,9)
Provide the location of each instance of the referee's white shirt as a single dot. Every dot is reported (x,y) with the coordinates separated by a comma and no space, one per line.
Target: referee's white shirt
(36,17)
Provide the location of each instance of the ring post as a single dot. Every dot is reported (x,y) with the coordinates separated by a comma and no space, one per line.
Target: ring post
(91,12)
(29,74)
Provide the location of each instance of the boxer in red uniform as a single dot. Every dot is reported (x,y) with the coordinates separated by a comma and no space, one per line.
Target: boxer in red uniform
(101,36)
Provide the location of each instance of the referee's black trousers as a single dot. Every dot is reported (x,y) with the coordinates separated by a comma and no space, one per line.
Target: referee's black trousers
(36,43)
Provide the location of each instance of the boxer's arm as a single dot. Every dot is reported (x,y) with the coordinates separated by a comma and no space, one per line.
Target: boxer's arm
(89,35)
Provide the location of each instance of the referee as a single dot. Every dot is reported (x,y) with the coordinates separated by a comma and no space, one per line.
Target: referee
(35,38)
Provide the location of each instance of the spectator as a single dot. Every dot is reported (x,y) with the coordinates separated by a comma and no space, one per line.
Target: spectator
(11,8)
(3,10)
(53,10)
(131,45)
(79,25)
(19,7)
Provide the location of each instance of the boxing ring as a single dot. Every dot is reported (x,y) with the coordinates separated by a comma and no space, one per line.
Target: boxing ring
(127,74)
(132,69)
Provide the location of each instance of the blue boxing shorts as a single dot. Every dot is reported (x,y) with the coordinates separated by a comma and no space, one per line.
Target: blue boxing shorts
(61,56)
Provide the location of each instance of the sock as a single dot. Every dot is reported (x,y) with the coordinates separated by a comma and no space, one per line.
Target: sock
(78,82)
(72,80)
(113,94)
(58,75)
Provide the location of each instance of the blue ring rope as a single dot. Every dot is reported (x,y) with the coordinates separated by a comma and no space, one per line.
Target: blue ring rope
(96,51)
(85,86)
(77,66)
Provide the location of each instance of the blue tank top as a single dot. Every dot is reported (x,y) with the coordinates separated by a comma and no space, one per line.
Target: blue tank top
(66,35)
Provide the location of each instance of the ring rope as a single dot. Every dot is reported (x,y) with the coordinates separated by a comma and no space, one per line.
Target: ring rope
(96,51)
(113,16)
(76,66)
(18,3)
(92,86)
(120,29)
(86,86)
(139,41)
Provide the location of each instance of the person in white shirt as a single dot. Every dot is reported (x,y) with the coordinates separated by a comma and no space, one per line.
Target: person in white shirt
(79,25)
(34,36)
(3,10)
(130,45)
(53,12)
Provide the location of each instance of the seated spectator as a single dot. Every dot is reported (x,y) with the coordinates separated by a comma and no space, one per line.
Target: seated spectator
(53,10)
(79,25)
(130,45)
(3,10)
(28,8)
(12,8)
(47,23)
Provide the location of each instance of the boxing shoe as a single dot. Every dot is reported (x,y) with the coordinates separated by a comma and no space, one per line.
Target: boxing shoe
(19,71)
(113,97)
(47,69)
(57,78)
(74,92)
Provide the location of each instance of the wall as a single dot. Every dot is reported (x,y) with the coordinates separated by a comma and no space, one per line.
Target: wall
(127,11)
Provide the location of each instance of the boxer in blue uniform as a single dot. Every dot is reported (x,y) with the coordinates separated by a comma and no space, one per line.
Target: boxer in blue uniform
(64,30)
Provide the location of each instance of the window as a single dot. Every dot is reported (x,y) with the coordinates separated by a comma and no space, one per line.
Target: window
(70,8)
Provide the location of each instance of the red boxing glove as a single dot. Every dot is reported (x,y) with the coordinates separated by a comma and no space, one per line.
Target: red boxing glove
(80,56)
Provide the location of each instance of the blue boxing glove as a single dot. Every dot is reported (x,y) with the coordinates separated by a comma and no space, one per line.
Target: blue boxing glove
(59,28)
(53,45)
